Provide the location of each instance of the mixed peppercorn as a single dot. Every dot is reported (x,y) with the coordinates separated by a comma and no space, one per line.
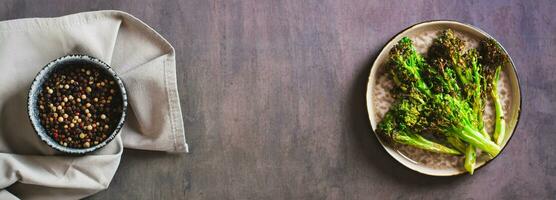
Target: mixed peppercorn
(79,106)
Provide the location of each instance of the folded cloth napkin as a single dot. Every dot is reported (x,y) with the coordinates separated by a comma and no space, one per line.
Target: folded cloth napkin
(30,169)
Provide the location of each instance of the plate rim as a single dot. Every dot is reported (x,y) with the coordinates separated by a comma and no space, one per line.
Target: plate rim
(370,79)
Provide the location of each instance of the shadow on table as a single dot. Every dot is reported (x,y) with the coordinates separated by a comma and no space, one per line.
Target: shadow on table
(367,146)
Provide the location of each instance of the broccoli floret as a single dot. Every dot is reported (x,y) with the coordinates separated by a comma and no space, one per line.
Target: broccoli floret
(398,126)
(406,66)
(456,118)
(492,59)
(443,95)
(450,48)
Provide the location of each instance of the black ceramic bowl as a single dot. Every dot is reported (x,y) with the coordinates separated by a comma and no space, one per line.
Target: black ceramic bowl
(45,74)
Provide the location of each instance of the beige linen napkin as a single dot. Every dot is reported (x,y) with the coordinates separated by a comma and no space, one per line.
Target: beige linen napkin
(144,60)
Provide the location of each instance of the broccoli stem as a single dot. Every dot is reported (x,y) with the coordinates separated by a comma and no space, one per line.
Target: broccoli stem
(456,143)
(419,141)
(477,101)
(483,131)
(470,159)
(501,128)
(500,124)
(477,139)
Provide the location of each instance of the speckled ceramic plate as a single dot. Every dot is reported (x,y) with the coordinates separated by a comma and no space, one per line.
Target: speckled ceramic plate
(379,99)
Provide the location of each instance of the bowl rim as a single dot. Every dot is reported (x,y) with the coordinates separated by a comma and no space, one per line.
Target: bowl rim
(36,84)
(423,23)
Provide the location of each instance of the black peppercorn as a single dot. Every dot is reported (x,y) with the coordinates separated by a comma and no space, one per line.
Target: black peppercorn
(78,106)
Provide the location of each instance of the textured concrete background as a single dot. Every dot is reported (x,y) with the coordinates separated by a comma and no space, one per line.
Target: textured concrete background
(273,99)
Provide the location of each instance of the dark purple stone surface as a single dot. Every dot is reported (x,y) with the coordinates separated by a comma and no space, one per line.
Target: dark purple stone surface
(273,97)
